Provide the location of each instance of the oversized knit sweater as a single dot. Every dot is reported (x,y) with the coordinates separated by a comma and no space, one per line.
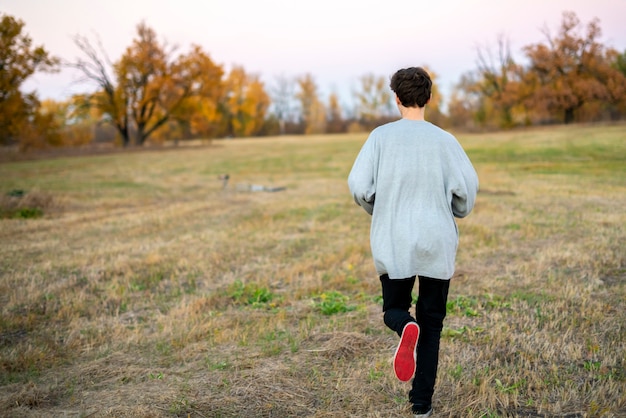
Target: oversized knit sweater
(413,178)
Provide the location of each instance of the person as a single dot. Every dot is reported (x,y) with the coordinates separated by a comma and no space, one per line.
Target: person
(414,178)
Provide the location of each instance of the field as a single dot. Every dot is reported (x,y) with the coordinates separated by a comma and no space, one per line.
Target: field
(137,285)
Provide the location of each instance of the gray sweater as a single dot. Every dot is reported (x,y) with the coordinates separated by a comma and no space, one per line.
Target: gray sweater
(413,178)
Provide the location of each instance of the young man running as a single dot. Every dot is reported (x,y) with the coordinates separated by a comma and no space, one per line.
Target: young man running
(414,179)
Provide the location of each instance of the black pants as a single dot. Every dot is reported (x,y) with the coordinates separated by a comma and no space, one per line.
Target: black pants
(429,314)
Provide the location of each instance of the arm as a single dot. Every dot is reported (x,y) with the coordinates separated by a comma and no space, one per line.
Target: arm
(465,188)
(361,180)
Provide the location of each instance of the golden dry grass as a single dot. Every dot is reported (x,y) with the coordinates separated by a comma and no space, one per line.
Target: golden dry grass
(148,290)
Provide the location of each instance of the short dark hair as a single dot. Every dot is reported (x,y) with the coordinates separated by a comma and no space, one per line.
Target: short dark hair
(413,86)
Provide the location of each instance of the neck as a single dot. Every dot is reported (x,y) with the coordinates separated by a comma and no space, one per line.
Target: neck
(412,113)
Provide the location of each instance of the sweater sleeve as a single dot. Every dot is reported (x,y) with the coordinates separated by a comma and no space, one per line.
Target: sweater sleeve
(465,187)
(362,180)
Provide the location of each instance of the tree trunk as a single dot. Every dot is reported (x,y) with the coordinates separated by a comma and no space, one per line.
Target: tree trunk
(123,131)
(141,135)
(569,115)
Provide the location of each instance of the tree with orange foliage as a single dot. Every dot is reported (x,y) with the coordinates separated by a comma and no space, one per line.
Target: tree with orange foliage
(335,122)
(19,59)
(149,85)
(312,111)
(499,82)
(200,115)
(245,104)
(612,74)
(572,77)
(571,71)
(434,112)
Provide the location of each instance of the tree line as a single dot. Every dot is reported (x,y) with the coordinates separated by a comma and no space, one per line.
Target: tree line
(155,93)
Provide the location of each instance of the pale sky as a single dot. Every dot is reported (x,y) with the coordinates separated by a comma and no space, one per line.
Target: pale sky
(336,41)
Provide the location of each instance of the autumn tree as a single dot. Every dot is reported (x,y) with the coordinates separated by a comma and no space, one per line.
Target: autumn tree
(149,86)
(499,81)
(20,59)
(564,71)
(434,113)
(490,95)
(571,77)
(312,111)
(196,117)
(335,121)
(54,114)
(41,131)
(245,103)
(200,114)
(82,124)
(611,72)
(374,104)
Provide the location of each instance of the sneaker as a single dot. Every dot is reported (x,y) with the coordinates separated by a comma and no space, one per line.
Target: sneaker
(422,412)
(405,358)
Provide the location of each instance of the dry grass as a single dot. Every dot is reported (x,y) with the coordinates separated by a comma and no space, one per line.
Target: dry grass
(147,290)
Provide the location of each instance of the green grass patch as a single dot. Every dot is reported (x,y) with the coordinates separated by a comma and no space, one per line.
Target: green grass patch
(333,302)
(251,294)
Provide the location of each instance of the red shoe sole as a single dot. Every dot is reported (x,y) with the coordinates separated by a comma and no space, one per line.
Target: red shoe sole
(405,357)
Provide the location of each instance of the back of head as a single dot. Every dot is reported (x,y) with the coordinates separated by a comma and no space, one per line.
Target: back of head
(412,85)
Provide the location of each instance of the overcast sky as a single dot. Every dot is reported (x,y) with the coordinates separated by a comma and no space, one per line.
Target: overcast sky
(337,41)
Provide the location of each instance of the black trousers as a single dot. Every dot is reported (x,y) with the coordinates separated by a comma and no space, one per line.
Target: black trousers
(429,315)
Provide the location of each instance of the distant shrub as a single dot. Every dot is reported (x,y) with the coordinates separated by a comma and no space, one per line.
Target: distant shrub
(18,204)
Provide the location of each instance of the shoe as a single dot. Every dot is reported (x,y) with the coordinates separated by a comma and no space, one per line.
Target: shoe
(422,412)
(405,358)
